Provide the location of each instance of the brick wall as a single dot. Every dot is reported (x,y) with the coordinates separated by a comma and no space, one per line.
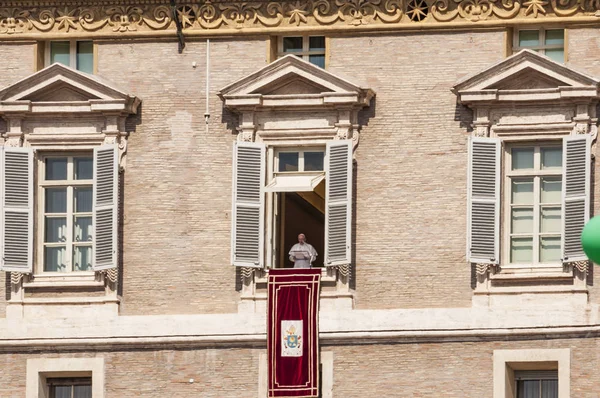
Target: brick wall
(412,164)
(178,179)
(452,369)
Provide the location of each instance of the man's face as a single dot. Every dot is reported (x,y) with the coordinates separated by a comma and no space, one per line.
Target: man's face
(301,238)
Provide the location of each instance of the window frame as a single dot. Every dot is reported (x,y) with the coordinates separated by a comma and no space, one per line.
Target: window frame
(275,205)
(301,151)
(541,48)
(306,52)
(72,53)
(41,369)
(66,381)
(506,362)
(506,204)
(41,184)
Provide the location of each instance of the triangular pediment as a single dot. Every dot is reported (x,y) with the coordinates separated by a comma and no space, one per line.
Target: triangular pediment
(526,70)
(60,84)
(290,77)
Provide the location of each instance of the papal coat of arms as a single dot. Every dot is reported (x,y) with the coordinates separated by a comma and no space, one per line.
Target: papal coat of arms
(291,338)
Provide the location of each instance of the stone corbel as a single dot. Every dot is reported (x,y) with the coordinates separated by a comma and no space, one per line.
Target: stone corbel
(247,129)
(581,266)
(483,269)
(481,123)
(14,133)
(348,127)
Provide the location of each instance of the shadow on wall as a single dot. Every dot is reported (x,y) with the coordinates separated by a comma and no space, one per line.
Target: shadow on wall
(464,116)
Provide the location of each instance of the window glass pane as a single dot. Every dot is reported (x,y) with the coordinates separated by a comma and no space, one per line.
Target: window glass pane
(82,392)
(62,391)
(551,158)
(292,44)
(56,230)
(60,52)
(84,168)
(549,388)
(82,200)
(529,38)
(555,36)
(522,158)
(82,258)
(528,389)
(56,169)
(313,161)
(522,191)
(550,219)
(288,161)
(54,259)
(521,221)
(56,200)
(521,250)
(316,43)
(549,249)
(550,190)
(85,56)
(82,229)
(557,55)
(318,60)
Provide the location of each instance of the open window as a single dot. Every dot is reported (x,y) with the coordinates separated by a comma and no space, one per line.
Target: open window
(309,191)
(292,163)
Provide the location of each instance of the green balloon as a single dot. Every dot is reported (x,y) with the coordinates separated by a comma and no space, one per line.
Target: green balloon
(590,239)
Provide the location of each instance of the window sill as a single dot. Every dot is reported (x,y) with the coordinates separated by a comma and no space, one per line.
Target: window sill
(325,277)
(77,280)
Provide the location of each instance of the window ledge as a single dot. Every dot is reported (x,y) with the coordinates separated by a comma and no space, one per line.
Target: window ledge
(533,275)
(324,277)
(76,280)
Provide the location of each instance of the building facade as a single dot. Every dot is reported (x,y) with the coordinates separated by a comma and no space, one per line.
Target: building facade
(160,157)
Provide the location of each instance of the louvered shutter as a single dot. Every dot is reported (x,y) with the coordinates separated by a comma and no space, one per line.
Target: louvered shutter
(338,203)
(17,209)
(483,235)
(576,195)
(106,195)
(247,235)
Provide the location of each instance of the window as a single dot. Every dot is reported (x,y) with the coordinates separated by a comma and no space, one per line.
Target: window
(299,161)
(73,53)
(309,48)
(550,42)
(66,212)
(537,384)
(308,190)
(70,388)
(532,373)
(533,203)
(65,378)
(546,201)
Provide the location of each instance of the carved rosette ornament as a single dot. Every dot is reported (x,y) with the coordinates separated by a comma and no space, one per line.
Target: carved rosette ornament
(20,18)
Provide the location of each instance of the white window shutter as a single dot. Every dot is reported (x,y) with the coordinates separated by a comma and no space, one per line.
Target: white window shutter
(483,213)
(576,195)
(17,209)
(106,199)
(338,201)
(247,232)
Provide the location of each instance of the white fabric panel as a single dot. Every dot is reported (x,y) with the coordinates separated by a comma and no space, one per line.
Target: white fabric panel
(304,182)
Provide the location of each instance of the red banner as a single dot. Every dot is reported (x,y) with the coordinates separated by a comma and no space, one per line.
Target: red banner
(293,332)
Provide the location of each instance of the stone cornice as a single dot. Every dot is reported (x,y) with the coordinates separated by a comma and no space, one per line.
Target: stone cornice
(131,18)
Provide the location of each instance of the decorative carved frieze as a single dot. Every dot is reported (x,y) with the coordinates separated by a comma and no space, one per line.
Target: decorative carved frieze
(24,18)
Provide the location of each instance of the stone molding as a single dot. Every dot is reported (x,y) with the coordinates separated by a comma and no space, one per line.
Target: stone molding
(22,19)
(87,333)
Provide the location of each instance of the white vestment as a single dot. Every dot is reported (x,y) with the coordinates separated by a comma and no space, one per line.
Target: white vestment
(302,255)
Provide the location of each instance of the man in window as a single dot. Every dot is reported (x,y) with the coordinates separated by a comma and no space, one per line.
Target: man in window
(302,254)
